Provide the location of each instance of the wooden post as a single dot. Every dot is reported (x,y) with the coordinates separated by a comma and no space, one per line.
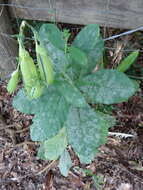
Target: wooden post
(8,47)
(112,13)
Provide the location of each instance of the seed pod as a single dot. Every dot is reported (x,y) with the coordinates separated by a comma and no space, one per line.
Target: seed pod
(13,82)
(44,64)
(36,91)
(29,74)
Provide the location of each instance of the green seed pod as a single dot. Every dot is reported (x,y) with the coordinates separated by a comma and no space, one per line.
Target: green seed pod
(13,82)
(36,91)
(29,74)
(44,64)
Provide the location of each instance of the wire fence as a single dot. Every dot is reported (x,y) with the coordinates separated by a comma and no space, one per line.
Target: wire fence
(51,10)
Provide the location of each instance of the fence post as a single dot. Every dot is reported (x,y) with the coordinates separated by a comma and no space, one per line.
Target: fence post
(8,46)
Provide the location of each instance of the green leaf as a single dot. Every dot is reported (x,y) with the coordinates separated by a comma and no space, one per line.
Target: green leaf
(91,43)
(107,87)
(58,57)
(72,95)
(128,61)
(25,105)
(53,35)
(32,106)
(108,118)
(55,146)
(95,56)
(78,62)
(86,130)
(13,82)
(87,38)
(73,70)
(51,111)
(65,163)
(46,124)
(54,45)
(78,56)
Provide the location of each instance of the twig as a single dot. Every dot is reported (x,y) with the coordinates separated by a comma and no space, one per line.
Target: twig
(22,130)
(76,177)
(48,167)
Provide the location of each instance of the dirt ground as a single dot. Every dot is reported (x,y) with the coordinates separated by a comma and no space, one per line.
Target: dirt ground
(119,163)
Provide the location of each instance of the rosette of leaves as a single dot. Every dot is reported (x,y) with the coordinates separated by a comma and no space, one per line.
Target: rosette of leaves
(63,114)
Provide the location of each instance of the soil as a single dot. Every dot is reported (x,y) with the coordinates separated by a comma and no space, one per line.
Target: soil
(117,166)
